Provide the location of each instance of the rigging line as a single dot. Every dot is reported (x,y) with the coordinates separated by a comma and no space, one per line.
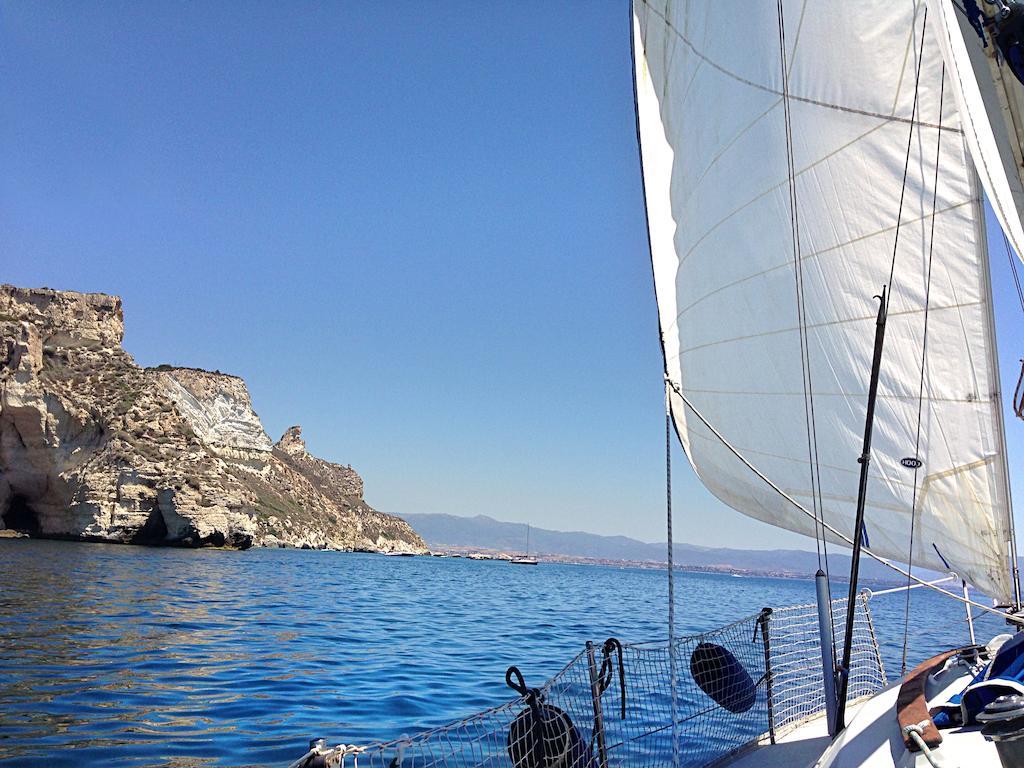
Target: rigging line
(813,463)
(668,402)
(910,143)
(671,575)
(643,179)
(1013,269)
(830,324)
(794,226)
(924,359)
(1017,620)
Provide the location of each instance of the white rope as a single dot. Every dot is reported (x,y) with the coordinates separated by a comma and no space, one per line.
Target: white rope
(335,756)
(878,558)
(914,732)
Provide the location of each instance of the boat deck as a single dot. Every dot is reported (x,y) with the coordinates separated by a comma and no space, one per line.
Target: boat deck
(871,739)
(800,747)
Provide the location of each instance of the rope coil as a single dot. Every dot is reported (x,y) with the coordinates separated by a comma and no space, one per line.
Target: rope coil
(612,645)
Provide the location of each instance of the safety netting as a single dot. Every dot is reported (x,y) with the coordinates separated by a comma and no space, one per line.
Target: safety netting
(612,706)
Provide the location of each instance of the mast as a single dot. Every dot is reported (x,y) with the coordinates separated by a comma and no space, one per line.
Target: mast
(858,530)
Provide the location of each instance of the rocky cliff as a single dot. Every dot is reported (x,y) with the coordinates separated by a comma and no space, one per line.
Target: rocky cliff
(94,447)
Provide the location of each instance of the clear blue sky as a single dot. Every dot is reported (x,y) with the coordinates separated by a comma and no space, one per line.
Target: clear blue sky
(414,228)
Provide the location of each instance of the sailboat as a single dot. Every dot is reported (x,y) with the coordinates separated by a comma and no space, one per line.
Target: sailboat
(525,559)
(815,178)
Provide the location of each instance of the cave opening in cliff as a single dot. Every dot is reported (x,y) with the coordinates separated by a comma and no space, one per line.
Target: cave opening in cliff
(20,516)
(154,531)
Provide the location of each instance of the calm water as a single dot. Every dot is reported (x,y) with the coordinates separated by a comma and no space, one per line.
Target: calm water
(134,656)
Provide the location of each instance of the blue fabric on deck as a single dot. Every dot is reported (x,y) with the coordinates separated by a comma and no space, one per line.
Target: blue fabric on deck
(1003,675)
(944,719)
(950,714)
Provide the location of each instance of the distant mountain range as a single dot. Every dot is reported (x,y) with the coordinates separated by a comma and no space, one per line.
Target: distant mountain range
(486,533)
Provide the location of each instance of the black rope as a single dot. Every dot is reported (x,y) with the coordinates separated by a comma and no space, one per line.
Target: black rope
(604,677)
(514,680)
(920,388)
(1018,394)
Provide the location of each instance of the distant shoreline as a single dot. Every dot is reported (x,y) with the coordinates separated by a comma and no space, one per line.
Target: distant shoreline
(478,553)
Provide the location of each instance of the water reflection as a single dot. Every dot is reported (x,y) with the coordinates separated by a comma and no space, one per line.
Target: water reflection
(134,656)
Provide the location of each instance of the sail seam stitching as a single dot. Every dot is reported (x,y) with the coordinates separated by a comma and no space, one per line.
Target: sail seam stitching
(768,89)
(830,323)
(821,252)
(774,187)
(881,396)
(892,481)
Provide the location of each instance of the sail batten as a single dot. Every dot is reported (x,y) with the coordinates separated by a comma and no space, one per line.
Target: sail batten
(730,153)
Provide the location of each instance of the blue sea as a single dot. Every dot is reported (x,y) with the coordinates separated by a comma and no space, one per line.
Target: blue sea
(128,656)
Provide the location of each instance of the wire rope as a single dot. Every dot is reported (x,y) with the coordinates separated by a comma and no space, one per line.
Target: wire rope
(673,679)
(920,388)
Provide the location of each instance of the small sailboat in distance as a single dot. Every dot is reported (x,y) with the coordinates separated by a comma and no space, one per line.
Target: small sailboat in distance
(526,559)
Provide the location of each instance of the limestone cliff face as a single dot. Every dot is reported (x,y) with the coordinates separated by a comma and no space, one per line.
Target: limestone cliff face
(94,447)
(333,479)
(216,406)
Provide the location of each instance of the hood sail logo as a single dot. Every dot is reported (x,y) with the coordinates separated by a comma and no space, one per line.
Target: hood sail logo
(911,462)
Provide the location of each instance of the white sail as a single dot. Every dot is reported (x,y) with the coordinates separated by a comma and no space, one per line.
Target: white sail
(714,141)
